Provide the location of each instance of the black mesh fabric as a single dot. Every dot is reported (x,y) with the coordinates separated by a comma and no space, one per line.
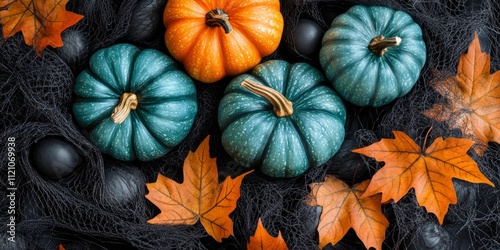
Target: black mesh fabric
(36,96)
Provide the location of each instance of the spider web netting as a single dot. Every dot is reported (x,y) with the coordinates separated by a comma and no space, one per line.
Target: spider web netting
(36,96)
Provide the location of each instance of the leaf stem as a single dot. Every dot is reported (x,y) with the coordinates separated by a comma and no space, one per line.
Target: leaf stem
(424,146)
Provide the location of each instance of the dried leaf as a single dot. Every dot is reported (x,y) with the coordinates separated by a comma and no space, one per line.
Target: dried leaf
(343,208)
(41,21)
(262,240)
(428,171)
(473,99)
(199,197)
(61,247)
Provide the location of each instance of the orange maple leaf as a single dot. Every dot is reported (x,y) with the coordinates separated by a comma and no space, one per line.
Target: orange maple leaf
(199,197)
(343,208)
(428,171)
(262,240)
(473,98)
(41,21)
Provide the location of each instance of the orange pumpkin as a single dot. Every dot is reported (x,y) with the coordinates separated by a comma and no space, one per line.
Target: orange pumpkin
(218,38)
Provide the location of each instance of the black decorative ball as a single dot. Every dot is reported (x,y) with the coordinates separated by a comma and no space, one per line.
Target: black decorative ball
(74,48)
(123,185)
(146,20)
(431,236)
(307,38)
(348,166)
(54,158)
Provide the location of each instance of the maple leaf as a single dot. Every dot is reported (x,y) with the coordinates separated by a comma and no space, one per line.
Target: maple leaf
(199,197)
(41,21)
(473,98)
(343,208)
(428,171)
(262,240)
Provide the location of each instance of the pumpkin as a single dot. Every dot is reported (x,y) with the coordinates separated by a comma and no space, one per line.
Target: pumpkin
(216,38)
(281,118)
(373,54)
(135,104)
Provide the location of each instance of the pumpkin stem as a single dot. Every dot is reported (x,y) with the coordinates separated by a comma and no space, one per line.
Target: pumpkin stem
(379,44)
(128,102)
(218,17)
(281,106)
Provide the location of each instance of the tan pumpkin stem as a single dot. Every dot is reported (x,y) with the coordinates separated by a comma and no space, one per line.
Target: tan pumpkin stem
(379,44)
(218,17)
(281,106)
(128,102)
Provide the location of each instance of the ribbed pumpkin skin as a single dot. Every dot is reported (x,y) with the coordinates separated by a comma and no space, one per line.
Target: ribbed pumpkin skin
(282,147)
(207,52)
(360,76)
(166,102)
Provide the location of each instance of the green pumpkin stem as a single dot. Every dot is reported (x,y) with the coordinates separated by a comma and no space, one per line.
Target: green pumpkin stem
(218,17)
(281,106)
(127,103)
(379,44)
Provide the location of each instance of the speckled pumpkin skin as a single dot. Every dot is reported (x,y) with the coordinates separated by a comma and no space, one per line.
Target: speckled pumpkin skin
(166,102)
(357,74)
(282,147)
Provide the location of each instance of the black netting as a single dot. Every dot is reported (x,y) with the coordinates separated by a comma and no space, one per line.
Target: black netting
(36,96)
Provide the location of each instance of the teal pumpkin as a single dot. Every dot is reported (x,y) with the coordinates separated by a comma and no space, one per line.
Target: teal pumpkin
(281,118)
(135,103)
(373,54)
